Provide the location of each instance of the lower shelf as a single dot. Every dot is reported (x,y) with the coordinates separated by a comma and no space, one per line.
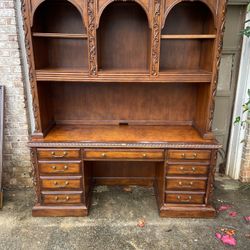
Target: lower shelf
(188,212)
(59,211)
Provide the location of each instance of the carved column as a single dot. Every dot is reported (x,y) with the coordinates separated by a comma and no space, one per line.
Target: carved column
(32,75)
(221,30)
(92,51)
(156,38)
(35,175)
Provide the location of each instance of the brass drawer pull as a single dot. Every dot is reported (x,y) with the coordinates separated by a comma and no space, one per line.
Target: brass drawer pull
(184,200)
(190,184)
(144,155)
(190,158)
(53,154)
(103,155)
(67,198)
(59,170)
(61,186)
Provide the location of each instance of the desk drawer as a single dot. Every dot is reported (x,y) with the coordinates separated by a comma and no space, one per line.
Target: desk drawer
(60,167)
(58,153)
(187,170)
(189,154)
(62,199)
(185,184)
(184,198)
(58,183)
(137,155)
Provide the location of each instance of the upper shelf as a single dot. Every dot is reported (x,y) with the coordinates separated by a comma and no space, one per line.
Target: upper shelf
(189,36)
(59,35)
(79,75)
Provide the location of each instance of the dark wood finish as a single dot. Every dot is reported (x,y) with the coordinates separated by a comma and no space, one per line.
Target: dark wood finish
(122,154)
(124,31)
(62,199)
(58,153)
(126,134)
(182,169)
(59,183)
(123,94)
(67,167)
(185,183)
(189,154)
(191,198)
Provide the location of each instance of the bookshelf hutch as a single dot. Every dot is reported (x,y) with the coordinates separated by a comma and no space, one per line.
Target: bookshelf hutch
(123,94)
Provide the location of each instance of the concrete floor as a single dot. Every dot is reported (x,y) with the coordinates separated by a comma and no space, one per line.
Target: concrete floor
(113,219)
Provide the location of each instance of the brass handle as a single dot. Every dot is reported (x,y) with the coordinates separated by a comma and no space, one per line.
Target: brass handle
(144,155)
(190,184)
(194,169)
(103,155)
(59,170)
(61,186)
(62,200)
(181,168)
(53,154)
(184,200)
(185,157)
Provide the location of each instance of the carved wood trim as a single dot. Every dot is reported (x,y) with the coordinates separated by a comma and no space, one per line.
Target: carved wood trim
(92,50)
(156,38)
(217,66)
(35,175)
(31,64)
(123,145)
(211,178)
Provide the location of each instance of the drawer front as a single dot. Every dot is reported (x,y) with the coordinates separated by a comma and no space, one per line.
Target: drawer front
(60,168)
(189,154)
(184,198)
(187,170)
(62,199)
(58,153)
(185,184)
(143,155)
(60,183)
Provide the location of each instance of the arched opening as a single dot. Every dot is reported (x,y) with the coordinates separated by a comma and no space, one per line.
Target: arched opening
(188,37)
(123,38)
(58,17)
(59,37)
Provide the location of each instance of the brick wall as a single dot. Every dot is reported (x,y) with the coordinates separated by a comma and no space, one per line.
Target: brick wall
(16,166)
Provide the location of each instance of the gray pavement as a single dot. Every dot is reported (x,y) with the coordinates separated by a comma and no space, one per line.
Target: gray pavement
(112,223)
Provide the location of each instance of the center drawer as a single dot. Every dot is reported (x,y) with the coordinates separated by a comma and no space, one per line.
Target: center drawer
(124,154)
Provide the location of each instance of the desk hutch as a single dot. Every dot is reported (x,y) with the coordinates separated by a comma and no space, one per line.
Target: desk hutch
(123,94)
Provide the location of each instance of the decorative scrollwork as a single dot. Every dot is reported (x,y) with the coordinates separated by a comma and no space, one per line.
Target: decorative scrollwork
(218,60)
(35,174)
(156,37)
(32,77)
(123,145)
(92,38)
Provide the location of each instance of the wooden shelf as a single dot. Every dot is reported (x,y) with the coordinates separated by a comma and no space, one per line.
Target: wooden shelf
(188,36)
(60,35)
(131,133)
(81,75)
